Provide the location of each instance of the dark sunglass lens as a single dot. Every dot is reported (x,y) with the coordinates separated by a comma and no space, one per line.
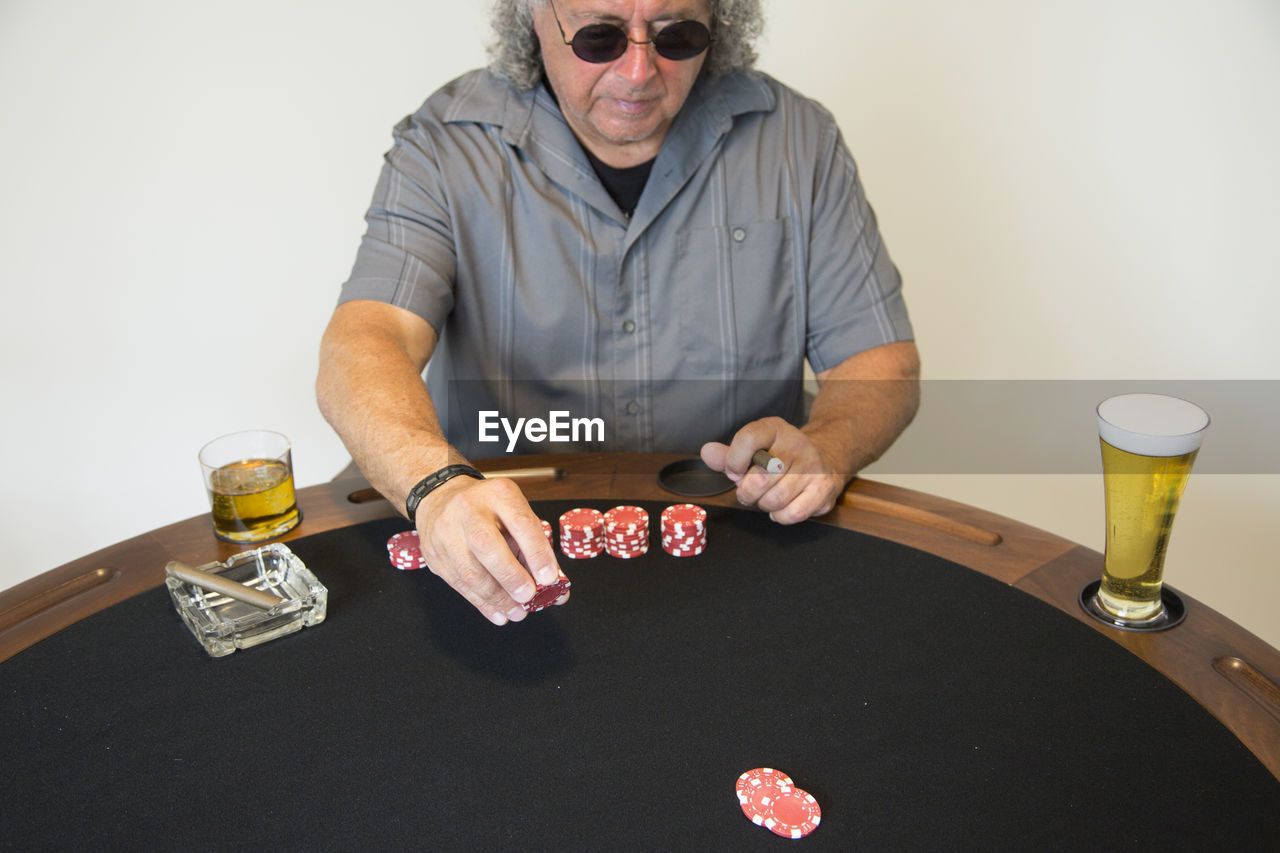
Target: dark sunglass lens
(599,43)
(682,40)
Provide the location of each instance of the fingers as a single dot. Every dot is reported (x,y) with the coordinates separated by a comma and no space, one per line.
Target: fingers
(715,455)
(482,538)
(807,487)
(817,497)
(757,435)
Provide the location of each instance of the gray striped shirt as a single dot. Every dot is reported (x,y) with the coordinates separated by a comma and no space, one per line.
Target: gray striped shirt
(751,249)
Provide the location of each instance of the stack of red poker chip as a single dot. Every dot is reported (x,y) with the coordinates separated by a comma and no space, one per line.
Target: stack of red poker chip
(770,799)
(546,529)
(626,532)
(582,534)
(406,551)
(684,530)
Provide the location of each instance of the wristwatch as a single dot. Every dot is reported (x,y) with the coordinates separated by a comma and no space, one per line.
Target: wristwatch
(434,481)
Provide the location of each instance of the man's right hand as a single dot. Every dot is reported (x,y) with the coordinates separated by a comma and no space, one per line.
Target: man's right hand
(483,539)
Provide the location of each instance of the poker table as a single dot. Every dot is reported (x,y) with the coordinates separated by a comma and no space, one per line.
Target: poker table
(922,667)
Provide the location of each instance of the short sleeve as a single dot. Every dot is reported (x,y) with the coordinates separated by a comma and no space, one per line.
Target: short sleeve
(855,299)
(407,256)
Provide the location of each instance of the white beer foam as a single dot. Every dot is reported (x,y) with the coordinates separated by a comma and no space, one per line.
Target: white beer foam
(1152,424)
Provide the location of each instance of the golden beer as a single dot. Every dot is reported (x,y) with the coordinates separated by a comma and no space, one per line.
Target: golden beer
(1142,496)
(249,479)
(252,500)
(1149,443)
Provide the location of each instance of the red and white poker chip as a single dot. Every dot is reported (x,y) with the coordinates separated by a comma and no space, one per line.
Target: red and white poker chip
(581,542)
(546,529)
(626,519)
(626,532)
(761,777)
(769,798)
(624,541)
(627,554)
(684,518)
(582,521)
(405,551)
(793,814)
(582,533)
(684,530)
(547,595)
(623,532)
(573,554)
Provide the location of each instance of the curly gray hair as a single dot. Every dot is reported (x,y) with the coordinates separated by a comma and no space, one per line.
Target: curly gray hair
(515,55)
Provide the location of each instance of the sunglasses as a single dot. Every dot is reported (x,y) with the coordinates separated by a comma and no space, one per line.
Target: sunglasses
(599,43)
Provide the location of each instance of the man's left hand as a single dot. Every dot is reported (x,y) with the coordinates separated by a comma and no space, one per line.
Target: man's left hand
(809,486)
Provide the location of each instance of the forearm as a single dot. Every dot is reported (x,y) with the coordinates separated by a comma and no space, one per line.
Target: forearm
(863,405)
(370,390)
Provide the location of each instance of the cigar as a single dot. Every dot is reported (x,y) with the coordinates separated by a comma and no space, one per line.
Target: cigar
(226,586)
(768,462)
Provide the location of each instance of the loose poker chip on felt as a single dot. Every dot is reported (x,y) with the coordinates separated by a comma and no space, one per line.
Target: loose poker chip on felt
(757,805)
(757,789)
(406,551)
(793,814)
(770,799)
(762,777)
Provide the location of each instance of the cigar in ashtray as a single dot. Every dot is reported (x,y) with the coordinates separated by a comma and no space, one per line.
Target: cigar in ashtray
(226,586)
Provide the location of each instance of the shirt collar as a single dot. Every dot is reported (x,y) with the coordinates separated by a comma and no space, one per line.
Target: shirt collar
(492,100)
(532,121)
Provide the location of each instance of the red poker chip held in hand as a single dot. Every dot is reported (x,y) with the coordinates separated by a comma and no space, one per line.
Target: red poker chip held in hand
(405,551)
(546,595)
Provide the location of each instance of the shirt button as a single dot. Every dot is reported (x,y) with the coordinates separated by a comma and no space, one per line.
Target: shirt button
(739,234)
(633,407)
(628,327)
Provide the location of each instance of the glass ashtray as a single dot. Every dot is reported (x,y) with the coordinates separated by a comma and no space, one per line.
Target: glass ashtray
(222,624)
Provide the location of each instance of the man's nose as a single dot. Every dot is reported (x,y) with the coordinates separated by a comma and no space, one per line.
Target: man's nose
(637,64)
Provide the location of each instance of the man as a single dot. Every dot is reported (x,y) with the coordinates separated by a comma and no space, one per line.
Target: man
(619,214)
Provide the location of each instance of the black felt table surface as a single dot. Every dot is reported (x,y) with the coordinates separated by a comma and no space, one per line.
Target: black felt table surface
(925,706)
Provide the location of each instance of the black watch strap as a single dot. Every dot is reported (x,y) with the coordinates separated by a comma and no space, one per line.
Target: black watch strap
(429,484)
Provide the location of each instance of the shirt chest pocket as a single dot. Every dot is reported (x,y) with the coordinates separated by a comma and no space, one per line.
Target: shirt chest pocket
(735,298)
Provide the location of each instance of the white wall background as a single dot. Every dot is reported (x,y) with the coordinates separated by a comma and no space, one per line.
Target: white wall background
(1073,190)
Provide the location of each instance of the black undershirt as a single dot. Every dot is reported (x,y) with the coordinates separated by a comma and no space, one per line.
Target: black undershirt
(623,185)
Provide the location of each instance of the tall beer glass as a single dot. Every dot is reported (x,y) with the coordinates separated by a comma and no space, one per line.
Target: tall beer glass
(1149,443)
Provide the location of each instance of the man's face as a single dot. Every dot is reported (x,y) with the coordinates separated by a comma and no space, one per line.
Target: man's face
(620,110)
